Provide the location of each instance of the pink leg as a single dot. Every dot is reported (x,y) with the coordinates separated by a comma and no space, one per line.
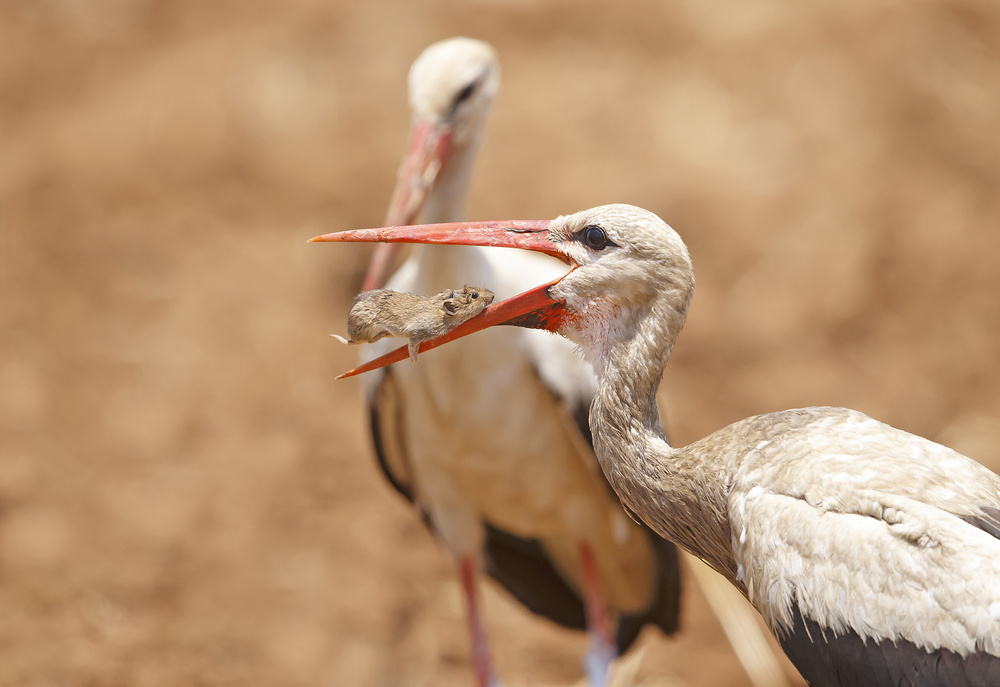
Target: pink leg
(602,646)
(480,647)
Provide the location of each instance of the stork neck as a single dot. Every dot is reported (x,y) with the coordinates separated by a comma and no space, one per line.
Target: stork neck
(449,266)
(674,491)
(624,412)
(446,202)
(628,381)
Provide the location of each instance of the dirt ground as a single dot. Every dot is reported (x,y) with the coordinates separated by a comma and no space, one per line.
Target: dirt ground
(186,495)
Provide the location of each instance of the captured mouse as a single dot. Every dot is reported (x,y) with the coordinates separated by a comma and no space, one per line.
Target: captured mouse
(381,312)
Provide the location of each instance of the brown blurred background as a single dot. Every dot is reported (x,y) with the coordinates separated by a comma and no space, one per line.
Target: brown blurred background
(187,496)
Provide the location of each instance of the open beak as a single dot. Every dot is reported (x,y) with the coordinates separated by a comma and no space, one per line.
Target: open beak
(430,149)
(534,309)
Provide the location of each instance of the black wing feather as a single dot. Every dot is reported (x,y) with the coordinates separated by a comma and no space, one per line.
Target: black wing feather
(664,611)
(525,570)
(384,420)
(829,660)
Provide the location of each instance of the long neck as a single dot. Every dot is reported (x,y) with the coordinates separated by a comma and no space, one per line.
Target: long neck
(446,202)
(442,266)
(679,493)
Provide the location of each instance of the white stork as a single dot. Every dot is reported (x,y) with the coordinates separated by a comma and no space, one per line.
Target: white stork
(872,554)
(489,439)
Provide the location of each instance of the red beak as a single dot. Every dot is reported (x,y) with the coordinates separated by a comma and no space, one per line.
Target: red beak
(534,309)
(430,150)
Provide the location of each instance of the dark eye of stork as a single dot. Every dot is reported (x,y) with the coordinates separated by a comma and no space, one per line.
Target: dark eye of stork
(595,237)
(461,97)
(465,93)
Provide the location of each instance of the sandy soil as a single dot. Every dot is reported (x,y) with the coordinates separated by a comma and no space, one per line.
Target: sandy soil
(186,495)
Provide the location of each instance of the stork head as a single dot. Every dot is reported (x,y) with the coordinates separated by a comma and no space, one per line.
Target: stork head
(630,275)
(452,84)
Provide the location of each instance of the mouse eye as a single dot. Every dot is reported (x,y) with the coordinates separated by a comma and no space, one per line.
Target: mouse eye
(475,295)
(595,237)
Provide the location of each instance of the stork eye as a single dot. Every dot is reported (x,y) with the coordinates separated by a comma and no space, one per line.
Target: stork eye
(463,95)
(595,237)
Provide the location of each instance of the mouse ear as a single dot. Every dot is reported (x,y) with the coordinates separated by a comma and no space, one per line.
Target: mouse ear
(450,308)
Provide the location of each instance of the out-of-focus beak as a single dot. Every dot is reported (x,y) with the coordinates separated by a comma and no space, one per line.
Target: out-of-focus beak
(534,309)
(430,149)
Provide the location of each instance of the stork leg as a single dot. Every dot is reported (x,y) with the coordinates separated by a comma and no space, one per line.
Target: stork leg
(602,650)
(481,661)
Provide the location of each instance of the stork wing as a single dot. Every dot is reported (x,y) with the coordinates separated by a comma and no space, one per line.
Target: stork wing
(891,590)
(385,409)
(868,548)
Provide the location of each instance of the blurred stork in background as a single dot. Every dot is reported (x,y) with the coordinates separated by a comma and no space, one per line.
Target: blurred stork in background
(503,470)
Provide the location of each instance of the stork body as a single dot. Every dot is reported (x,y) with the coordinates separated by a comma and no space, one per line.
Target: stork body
(872,554)
(530,506)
